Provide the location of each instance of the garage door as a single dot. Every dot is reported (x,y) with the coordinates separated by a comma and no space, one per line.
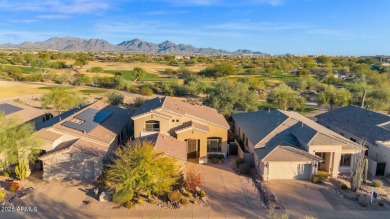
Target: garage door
(289,170)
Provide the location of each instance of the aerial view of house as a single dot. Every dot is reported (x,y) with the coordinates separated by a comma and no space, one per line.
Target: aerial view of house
(77,145)
(202,129)
(287,145)
(372,129)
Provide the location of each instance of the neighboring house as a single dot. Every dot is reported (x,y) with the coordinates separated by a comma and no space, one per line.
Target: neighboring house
(287,145)
(201,129)
(364,127)
(78,142)
(24,112)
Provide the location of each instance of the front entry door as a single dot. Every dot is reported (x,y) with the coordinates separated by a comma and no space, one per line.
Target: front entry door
(193,148)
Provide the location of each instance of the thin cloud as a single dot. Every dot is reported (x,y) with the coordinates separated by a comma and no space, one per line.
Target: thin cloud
(54,16)
(26,21)
(65,6)
(166,12)
(258,27)
(220,3)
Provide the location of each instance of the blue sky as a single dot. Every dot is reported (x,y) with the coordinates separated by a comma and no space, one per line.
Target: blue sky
(332,27)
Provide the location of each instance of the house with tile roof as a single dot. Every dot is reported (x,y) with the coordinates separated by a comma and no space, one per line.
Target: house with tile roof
(77,143)
(287,145)
(365,127)
(24,112)
(192,131)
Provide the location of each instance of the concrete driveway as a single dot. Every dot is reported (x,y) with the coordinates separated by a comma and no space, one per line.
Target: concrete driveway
(298,197)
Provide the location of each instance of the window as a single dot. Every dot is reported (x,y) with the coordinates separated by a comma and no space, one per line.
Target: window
(214,145)
(177,120)
(152,126)
(345,160)
(173,120)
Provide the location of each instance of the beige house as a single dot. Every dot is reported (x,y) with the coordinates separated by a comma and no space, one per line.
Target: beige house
(287,145)
(365,127)
(202,129)
(80,141)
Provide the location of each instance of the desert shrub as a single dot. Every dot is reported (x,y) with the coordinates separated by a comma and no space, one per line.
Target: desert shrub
(274,215)
(185,201)
(381,204)
(363,200)
(323,175)
(195,202)
(146,91)
(174,196)
(13,186)
(123,196)
(138,101)
(139,201)
(21,171)
(192,180)
(115,98)
(96,69)
(239,161)
(189,195)
(244,168)
(129,205)
(202,193)
(2,195)
(6,174)
(343,186)
(377,183)
(132,88)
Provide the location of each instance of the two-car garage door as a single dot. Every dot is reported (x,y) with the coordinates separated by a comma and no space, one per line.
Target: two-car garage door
(289,170)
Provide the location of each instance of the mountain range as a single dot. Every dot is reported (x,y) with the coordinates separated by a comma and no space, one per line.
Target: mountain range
(133,46)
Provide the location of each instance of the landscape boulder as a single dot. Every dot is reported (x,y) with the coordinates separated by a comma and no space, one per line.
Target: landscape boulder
(104,197)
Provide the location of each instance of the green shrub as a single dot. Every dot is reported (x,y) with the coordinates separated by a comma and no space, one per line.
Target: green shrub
(123,196)
(239,161)
(202,193)
(2,195)
(138,101)
(21,171)
(343,186)
(146,91)
(377,183)
(129,205)
(217,156)
(323,175)
(185,201)
(189,195)
(132,88)
(139,201)
(6,174)
(174,196)
(244,168)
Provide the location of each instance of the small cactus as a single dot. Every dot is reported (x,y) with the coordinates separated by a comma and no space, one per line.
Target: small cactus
(21,171)
(365,170)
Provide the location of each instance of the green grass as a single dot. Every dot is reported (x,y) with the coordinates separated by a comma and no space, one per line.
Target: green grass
(53,87)
(28,70)
(129,75)
(93,91)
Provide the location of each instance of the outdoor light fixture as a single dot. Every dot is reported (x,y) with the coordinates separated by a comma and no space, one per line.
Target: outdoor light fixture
(266,164)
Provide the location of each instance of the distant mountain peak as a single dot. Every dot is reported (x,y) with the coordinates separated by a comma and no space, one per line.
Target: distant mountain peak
(135,45)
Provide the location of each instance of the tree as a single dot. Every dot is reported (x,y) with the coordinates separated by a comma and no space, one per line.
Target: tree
(219,70)
(139,73)
(82,79)
(18,143)
(284,97)
(333,98)
(115,98)
(80,62)
(227,96)
(138,169)
(60,99)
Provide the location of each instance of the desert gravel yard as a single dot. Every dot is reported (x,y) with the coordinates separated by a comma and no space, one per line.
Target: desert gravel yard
(229,195)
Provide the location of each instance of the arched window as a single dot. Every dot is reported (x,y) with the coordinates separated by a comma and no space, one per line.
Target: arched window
(152,126)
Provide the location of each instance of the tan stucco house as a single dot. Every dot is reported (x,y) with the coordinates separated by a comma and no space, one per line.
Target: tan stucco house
(365,127)
(201,129)
(287,145)
(80,141)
